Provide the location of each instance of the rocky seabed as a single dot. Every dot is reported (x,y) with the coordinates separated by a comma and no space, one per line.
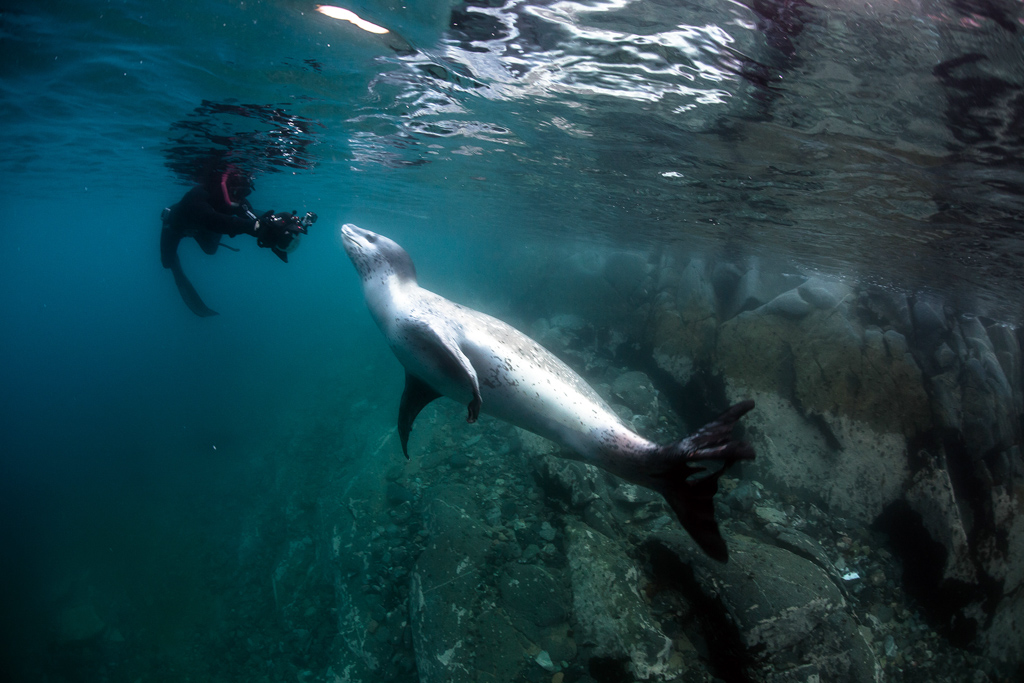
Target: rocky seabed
(878,536)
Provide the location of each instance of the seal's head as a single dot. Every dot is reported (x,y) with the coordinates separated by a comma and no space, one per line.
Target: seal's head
(375,256)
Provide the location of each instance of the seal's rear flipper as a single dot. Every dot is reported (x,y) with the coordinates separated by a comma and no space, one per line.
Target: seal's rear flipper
(415,398)
(189,293)
(693,499)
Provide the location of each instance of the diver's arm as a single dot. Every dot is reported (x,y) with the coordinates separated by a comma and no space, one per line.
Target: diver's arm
(225,223)
(198,211)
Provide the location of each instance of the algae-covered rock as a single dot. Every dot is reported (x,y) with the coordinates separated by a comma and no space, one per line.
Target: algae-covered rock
(828,364)
(685,332)
(787,613)
(1002,639)
(757,287)
(574,482)
(532,595)
(867,471)
(444,608)
(635,390)
(931,495)
(824,294)
(1003,559)
(499,650)
(611,617)
(788,304)
(844,465)
(538,605)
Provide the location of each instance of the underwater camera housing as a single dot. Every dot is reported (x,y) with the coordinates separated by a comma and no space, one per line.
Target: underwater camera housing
(280,232)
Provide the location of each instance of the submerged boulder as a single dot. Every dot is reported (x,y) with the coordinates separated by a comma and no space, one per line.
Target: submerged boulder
(1005,632)
(602,288)
(636,391)
(788,304)
(682,330)
(628,273)
(829,365)
(757,287)
(931,495)
(841,464)
(472,617)
(824,294)
(978,392)
(1003,560)
(574,483)
(532,595)
(610,616)
(537,604)
(784,611)
(444,609)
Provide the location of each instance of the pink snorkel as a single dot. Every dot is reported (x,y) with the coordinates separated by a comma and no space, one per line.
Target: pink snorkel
(224,189)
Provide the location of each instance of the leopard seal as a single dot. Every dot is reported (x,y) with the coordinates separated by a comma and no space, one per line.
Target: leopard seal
(454,351)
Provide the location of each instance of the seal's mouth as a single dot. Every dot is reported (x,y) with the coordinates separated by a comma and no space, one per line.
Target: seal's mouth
(352,240)
(371,253)
(352,236)
(358,244)
(348,234)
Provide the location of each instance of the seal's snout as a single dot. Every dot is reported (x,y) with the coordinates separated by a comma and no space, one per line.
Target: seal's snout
(348,233)
(354,236)
(371,252)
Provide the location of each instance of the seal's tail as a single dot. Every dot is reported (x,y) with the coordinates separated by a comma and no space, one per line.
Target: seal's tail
(692,499)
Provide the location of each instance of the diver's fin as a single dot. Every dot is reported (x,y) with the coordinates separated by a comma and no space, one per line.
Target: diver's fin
(415,398)
(189,293)
(169,240)
(693,499)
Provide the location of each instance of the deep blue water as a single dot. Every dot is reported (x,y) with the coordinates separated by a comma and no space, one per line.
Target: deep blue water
(875,143)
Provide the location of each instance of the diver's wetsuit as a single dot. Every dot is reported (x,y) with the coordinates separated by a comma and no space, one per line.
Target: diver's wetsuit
(203,214)
(216,208)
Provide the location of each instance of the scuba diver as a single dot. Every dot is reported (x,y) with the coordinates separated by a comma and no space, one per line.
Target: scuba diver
(216,208)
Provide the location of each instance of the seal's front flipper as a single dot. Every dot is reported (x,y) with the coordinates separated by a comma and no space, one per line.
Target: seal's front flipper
(445,359)
(692,499)
(415,398)
(189,293)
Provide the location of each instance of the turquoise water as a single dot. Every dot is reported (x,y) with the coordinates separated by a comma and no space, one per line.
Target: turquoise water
(181,486)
